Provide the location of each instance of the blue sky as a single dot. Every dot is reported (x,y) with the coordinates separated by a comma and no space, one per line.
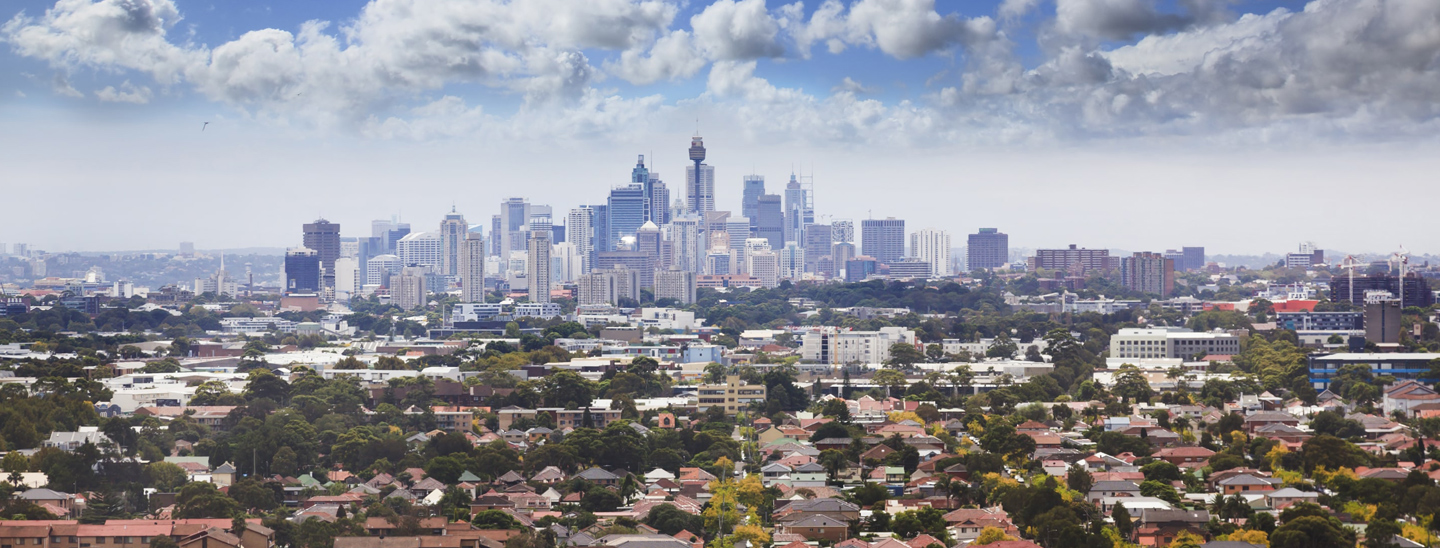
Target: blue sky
(962,102)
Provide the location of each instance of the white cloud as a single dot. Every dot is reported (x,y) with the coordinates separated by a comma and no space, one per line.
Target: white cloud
(903,29)
(672,57)
(731,30)
(128,93)
(850,85)
(1011,9)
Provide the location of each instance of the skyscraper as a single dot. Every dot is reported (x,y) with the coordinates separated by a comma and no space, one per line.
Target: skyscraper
(989,248)
(883,239)
(419,249)
(514,218)
(472,268)
(675,284)
(407,289)
(932,245)
(799,211)
(687,245)
(302,271)
(538,266)
(750,197)
(600,233)
(699,180)
(657,198)
(324,237)
(452,233)
(580,224)
(842,231)
(738,230)
(771,224)
(1148,273)
(792,261)
(626,209)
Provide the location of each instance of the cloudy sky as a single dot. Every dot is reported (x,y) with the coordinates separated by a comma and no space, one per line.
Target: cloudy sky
(1242,125)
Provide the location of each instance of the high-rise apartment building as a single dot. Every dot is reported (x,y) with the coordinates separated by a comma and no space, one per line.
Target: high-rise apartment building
(753,189)
(472,268)
(420,249)
(656,196)
(932,245)
(452,233)
(675,284)
(607,286)
(1148,273)
(324,237)
(565,263)
(537,267)
(687,245)
(347,278)
(792,261)
(699,180)
(818,239)
(764,265)
(302,271)
(580,224)
(771,222)
(988,249)
(380,268)
(407,289)
(883,239)
(840,255)
(1074,260)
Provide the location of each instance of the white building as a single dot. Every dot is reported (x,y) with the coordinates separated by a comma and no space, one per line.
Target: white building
(1170,343)
(565,263)
(472,268)
(537,271)
(380,267)
(347,278)
(933,246)
(792,261)
(420,248)
(608,286)
(580,232)
(669,318)
(407,290)
(853,347)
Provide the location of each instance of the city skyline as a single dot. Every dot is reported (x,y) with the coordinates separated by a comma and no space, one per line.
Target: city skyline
(952,112)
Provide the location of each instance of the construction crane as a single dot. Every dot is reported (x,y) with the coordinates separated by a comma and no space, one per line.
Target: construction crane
(1351,263)
(1403,258)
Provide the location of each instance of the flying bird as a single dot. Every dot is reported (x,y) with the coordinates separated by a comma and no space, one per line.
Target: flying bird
(202,128)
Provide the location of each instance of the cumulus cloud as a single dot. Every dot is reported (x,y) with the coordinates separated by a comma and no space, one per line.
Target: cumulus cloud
(128,93)
(672,57)
(731,30)
(1010,9)
(903,29)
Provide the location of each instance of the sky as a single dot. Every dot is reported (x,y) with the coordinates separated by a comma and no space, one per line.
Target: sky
(1245,126)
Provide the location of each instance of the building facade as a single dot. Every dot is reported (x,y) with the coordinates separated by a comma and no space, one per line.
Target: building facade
(1148,273)
(932,245)
(883,239)
(987,249)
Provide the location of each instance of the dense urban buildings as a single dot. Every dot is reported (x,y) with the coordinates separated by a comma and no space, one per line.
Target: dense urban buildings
(1147,272)
(1074,260)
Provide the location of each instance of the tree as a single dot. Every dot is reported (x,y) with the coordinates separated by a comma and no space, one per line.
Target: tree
(203,500)
(1078,479)
(1131,384)
(670,520)
(1122,520)
(166,476)
(495,519)
(830,430)
(889,378)
(989,535)
(904,356)
(1312,532)
(1186,539)
(251,494)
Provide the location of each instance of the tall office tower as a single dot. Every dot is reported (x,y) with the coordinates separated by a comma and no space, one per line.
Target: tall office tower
(601,231)
(750,198)
(932,245)
(687,245)
(738,230)
(799,210)
(818,239)
(497,231)
(541,220)
(452,232)
(324,237)
(1194,257)
(842,231)
(420,249)
(626,208)
(883,239)
(771,224)
(565,263)
(514,218)
(580,225)
(557,234)
(347,278)
(699,180)
(792,261)
(717,263)
(987,249)
(657,197)
(647,241)
(1178,257)
(1148,273)
(397,231)
(302,271)
(537,267)
(379,269)
(840,255)
(187,249)
(407,289)
(472,268)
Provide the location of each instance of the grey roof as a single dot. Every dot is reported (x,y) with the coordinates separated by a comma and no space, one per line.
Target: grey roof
(809,467)
(1114,486)
(1291,492)
(596,473)
(43,494)
(818,520)
(226,468)
(1244,479)
(1187,516)
(775,467)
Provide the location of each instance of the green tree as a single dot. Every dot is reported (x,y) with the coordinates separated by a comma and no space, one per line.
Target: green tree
(165,476)
(904,356)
